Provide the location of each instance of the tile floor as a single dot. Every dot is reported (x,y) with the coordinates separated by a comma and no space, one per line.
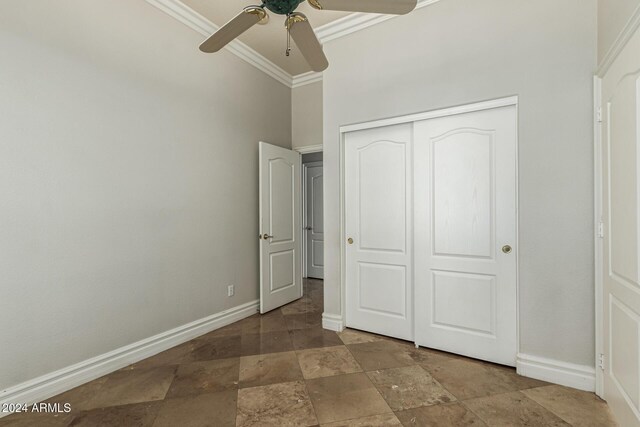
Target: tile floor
(283,369)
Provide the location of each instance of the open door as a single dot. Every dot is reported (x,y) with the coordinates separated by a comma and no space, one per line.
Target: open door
(280,227)
(621,232)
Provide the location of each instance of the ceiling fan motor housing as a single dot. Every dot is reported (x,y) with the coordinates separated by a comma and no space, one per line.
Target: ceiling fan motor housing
(282,7)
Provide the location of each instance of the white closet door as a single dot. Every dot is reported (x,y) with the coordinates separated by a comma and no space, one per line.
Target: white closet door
(465,230)
(378,221)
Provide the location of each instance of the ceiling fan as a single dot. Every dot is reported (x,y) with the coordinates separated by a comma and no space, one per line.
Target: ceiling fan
(298,25)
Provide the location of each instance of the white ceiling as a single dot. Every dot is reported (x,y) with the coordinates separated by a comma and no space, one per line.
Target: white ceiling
(269,40)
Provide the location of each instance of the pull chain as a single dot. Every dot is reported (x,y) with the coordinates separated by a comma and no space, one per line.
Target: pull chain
(288,51)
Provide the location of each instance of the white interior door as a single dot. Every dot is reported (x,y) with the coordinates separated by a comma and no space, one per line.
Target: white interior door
(378,212)
(280,212)
(465,224)
(621,217)
(314,219)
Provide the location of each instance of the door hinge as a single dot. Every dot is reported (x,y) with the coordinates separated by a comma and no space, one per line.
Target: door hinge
(601,229)
(599,114)
(601,361)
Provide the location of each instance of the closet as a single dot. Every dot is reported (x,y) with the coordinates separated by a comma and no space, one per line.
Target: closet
(430,229)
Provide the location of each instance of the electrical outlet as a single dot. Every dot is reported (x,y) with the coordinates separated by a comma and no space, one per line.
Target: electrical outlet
(231,290)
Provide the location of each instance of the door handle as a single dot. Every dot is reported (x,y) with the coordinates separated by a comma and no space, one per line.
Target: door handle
(507,249)
(350,241)
(265,236)
(308,228)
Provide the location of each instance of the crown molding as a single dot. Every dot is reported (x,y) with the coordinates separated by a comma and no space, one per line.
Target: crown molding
(306,79)
(331,31)
(356,22)
(621,41)
(349,24)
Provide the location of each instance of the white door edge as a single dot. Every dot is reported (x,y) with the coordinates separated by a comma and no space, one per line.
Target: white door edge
(598,241)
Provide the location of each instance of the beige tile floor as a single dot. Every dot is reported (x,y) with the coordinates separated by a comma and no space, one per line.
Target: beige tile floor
(283,369)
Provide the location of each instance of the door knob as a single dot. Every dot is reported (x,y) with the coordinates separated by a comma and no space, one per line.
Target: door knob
(265,236)
(308,228)
(350,241)
(507,249)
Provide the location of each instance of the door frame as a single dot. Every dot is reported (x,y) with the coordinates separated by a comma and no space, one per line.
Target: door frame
(598,237)
(339,322)
(306,150)
(305,219)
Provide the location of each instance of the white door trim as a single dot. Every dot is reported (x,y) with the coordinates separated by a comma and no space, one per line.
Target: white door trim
(598,240)
(305,220)
(310,149)
(461,109)
(339,325)
(619,43)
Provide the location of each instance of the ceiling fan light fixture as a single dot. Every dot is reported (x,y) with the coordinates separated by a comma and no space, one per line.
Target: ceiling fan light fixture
(282,7)
(298,27)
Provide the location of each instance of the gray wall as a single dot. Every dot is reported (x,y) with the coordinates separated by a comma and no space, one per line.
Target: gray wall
(613,15)
(306,115)
(312,157)
(128,178)
(461,51)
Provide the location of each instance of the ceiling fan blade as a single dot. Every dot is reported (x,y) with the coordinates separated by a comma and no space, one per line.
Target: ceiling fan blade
(306,40)
(392,7)
(250,16)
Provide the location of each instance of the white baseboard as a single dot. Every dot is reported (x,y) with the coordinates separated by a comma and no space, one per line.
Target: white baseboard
(332,322)
(54,383)
(572,375)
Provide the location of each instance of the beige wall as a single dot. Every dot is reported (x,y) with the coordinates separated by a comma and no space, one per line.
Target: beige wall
(462,51)
(613,15)
(128,178)
(306,115)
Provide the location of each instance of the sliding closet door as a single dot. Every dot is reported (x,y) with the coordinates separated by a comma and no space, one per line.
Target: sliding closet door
(465,231)
(378,218)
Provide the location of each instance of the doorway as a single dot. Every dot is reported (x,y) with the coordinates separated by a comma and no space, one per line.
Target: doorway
(291,229)
(313,215)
